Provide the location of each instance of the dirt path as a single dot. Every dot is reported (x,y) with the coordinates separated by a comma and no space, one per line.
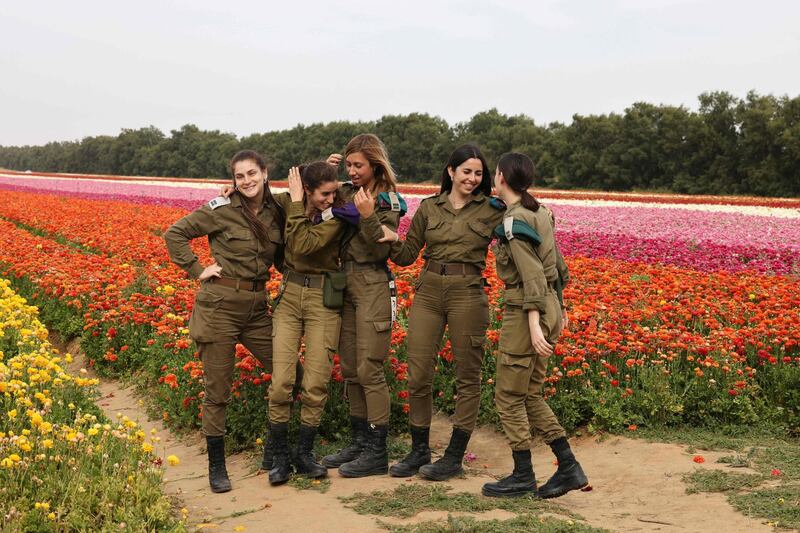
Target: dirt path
(636,484)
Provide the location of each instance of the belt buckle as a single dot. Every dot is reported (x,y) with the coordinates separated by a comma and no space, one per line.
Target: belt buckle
(306,281)
(442,269)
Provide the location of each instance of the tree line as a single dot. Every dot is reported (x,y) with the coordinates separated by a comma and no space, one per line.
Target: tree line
(729,145)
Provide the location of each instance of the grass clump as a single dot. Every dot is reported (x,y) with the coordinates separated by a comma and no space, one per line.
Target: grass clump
(408,500)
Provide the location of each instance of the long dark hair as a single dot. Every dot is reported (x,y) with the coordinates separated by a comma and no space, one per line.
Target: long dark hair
(256,226)
(315,174)
(518,170)
(461,154)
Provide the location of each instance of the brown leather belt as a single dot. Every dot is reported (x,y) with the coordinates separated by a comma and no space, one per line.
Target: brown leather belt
(254,285)
(313,281)
(452,269)
(352,266)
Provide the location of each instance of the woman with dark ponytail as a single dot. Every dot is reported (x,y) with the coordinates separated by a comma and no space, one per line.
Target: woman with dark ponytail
(527,261)
(245,234)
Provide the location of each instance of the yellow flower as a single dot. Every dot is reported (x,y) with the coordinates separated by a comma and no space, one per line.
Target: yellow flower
(51,516)
(47,443)
(259,442)
(92,432)
(147,447)
(173,460)
(7,463)
(12,414)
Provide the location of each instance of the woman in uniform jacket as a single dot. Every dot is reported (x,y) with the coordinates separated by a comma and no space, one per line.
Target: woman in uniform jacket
(455,227)
(368,310)
(309,308)
(529,262)
(245,236)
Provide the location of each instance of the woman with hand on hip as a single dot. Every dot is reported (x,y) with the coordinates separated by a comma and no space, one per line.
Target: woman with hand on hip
(529,263)
(245,234)
(455,227)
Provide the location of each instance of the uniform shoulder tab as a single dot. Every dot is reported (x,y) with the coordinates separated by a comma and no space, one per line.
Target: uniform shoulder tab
(513,228)
(219,201)
(392,201)
(497,203)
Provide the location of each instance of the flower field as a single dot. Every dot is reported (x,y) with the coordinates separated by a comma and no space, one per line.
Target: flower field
(63,465)
(684,310)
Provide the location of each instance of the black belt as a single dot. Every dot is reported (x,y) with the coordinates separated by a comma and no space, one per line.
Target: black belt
(313,281)
(254,285)
(353,266)
(452,269)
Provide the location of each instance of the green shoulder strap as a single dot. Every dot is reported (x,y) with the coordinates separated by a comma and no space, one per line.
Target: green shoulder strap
(517,229)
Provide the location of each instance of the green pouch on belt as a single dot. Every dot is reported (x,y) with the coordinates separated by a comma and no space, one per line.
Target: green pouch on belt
(333,289)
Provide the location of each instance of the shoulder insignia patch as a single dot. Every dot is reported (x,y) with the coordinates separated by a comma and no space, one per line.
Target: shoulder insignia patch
(517,229)
(219,201)
(392,201)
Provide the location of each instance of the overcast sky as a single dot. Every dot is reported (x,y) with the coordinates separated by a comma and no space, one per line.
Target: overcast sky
(74,69)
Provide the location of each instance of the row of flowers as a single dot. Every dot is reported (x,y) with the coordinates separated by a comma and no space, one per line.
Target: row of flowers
(650,343)
(63,465)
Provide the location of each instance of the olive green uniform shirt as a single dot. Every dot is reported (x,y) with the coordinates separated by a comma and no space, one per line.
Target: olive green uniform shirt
(519,262)
(232,243)
(452,235)
(363,247)
(311,248)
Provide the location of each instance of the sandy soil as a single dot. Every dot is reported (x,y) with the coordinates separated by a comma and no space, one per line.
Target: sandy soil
(636,485)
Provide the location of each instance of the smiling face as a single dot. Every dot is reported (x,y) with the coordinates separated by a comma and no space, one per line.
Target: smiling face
(249,178)
(323,196)
(467,176)
(359,169)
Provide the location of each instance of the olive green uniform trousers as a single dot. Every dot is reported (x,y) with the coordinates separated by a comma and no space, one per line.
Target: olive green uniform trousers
(459,302)
(300,314)
(521,374)
(364,343)
(221,318)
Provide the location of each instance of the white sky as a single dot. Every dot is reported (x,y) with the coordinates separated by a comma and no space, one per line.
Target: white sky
(74,69)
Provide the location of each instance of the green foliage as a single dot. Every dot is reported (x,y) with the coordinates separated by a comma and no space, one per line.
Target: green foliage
(728,146)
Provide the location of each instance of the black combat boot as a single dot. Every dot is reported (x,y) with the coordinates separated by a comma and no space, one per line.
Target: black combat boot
(358,435)
(374,460)
(450,463)
(420,454)
(304,462)
(217,473)
(569,475)
(281,467)
(266,461)
(521,482)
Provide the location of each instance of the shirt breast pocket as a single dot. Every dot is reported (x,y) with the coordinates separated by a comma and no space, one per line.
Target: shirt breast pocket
(239,239)
(437,231)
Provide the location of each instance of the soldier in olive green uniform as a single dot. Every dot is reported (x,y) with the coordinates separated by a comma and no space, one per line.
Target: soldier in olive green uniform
(244,234)
(456,226)
(312,253)
(527,261)
(368,310)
